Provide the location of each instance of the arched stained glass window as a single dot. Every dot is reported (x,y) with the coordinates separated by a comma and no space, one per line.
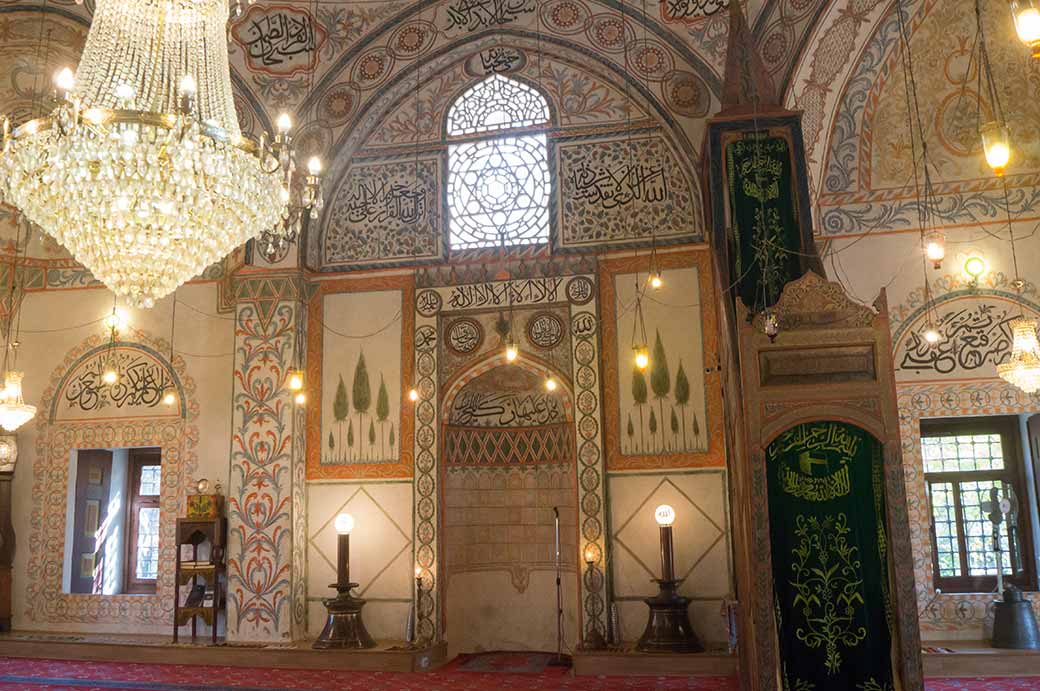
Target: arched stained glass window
(498,185)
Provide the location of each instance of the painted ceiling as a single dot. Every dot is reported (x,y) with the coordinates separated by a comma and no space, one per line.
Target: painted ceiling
(371,75)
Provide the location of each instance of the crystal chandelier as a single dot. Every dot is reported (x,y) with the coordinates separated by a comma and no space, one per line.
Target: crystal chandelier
(141,171)
(1023,369)
(14,411)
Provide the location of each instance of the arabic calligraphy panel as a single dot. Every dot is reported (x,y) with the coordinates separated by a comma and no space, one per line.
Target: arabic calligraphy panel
(279,40)
(143,379)
(603,186)
(385,212)
(975,336)
(662,409)
(361,378)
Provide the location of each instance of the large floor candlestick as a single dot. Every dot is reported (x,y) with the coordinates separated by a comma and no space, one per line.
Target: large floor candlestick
(344,627)
(668,628)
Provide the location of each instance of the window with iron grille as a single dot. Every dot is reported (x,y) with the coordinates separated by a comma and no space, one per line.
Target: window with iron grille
(965,460)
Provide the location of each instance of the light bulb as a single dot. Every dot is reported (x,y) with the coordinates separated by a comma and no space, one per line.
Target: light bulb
(169,398)
(295,380)
(188,87)
(664,515)
(65,80)
(344,523)
(418,572)
(413,395)
(314,166)
(590,555)
(642,357)
(550,382)
(118,319)
(935,248)
(284,123)
(95,116)
(512,352)
(655,279)
(125,93)
(1027,22)
(110,376)
(300,398)
(996,145)
(931,336)
(974,267)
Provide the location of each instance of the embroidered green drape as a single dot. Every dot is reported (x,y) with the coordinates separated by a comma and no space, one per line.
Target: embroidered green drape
(765,242)
(829,550)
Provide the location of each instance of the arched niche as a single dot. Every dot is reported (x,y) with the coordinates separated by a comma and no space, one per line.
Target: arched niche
(72,418)
(508,463)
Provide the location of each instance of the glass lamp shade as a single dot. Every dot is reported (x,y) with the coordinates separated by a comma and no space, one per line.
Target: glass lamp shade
(664,515)
(935,248)
(1026,14)
(996,144)
(1023,368)
(344,524)
(14,412)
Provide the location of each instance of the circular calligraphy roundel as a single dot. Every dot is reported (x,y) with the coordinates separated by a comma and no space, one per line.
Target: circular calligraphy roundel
(465,335)
(545,330)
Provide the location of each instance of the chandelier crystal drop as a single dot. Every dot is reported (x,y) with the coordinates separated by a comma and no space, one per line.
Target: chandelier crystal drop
(1023,368)
(14,411)
(141,171)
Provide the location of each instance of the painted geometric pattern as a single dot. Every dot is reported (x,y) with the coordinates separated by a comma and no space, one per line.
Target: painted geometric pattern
(426,497)
(946,611)
(263,469)
(550,444)
(44,599)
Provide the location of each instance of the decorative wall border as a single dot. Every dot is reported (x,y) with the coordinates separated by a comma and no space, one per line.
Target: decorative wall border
(715,456)
(44,600)
(405,466)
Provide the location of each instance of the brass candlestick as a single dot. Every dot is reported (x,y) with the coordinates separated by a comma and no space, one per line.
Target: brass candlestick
(668,628)
(344,627)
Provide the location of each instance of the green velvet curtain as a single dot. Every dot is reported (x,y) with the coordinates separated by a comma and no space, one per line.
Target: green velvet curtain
(765,242)
(829,549)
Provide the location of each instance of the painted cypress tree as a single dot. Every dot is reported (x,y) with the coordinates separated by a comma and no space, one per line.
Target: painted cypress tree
(350,434)
(696,429)
(660,379)
(392,439)
(653,423)
(372,433)
(682,397)
(340,407)
(332,443)
(674,423)
(639,396)
(382,411)
(362,392)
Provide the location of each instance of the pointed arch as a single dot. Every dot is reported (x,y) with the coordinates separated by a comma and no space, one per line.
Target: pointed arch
(497,103)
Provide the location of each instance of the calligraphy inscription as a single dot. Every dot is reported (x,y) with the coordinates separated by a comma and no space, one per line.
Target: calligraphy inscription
(611,187)
(471,15)
(142,383)
(525,292)
(682,10)
(970,338)
(275,38)
(378,202)
(496,60)
(545,330)
(815,437)
(465,335)
(482,409)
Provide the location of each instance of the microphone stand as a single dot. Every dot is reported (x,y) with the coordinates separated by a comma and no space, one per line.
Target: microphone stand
(559,660)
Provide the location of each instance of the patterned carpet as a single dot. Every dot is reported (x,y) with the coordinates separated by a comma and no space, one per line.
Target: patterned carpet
(54,675)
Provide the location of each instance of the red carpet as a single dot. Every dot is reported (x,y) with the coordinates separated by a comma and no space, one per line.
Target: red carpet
(55,675)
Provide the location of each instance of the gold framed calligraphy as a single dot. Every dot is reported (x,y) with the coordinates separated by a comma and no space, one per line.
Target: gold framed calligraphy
(279,40)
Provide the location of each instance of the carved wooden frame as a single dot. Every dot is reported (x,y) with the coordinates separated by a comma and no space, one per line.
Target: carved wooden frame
(816,315)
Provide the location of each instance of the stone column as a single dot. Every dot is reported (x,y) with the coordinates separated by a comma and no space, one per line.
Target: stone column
(266,496)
